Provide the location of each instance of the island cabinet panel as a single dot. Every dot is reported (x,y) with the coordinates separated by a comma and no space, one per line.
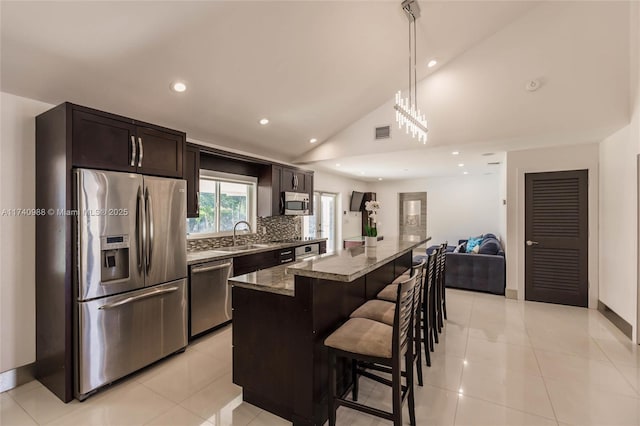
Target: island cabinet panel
(279,357)
(260,347)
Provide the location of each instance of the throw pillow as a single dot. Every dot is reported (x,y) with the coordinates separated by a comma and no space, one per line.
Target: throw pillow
(476,249)
(472,242)
(490,236)
(460,248)
(489,246)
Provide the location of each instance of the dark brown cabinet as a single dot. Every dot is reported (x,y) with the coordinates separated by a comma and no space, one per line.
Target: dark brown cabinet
(107,141)
(192,175)
(254,262)
(274,180)
(292,180)
(269,199)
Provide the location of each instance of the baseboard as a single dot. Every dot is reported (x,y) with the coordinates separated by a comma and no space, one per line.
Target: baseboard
(16,377)
(511,293)
(617,320)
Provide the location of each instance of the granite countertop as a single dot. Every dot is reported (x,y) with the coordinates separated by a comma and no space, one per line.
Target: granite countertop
(273,280)
(213,254)
(352,263)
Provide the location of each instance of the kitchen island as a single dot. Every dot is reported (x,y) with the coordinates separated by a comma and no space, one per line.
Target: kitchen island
(282,315)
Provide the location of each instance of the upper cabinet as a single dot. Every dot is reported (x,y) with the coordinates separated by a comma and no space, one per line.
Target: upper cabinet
(192,175)
(107,141)
(276,179)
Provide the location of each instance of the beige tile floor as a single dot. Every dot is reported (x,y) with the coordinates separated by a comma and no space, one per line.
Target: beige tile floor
(499,362)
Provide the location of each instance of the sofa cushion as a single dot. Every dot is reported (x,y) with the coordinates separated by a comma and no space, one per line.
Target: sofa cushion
(472,242)
(489,246)
(489,236)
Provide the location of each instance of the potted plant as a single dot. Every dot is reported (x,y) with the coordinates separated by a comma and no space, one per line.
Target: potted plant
(371,230)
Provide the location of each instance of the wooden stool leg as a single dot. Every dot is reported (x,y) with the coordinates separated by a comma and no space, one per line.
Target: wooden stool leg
(332,388)
(396,390)
(412,404)
(354,377)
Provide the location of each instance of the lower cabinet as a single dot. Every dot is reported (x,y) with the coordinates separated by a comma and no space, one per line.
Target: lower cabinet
(268,259)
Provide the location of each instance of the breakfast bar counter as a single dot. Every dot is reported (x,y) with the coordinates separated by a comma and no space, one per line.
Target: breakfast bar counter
(282,315)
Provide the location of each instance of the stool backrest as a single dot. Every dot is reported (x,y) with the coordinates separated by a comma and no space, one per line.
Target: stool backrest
(403,314)
(443,257)
(431,270)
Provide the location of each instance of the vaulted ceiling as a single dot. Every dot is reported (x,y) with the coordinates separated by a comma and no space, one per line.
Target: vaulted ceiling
(328,70)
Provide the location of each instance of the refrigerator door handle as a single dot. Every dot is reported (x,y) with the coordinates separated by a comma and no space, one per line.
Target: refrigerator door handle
(131,299)
(142,229)
(150,239)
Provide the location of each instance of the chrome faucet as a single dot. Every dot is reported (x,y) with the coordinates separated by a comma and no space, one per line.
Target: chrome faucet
(236,225)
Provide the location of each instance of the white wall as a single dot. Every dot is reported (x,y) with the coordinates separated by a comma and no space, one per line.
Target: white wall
(349,225)
(457,207)
(577,157)
(619,238)
(618,224)
(17,251)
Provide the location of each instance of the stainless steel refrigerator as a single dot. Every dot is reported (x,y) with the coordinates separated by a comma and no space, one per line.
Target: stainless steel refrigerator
(130,275)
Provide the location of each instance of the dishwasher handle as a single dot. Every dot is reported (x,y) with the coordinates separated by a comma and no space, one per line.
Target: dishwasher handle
(210,268)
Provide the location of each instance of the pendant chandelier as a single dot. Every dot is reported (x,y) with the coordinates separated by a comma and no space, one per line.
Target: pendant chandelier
(407,113)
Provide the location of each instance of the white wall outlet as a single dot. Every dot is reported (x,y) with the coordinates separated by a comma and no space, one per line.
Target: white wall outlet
(264,230)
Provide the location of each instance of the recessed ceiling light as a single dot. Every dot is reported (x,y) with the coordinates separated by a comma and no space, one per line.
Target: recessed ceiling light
(460,164)
(465,173)
(337,164)
(362,173)
(432,63)
(379,178)
(178,86)
(264,121)
(455,153)
(313,140)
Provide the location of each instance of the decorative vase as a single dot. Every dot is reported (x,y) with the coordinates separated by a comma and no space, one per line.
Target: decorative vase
(370,241)
(370,251)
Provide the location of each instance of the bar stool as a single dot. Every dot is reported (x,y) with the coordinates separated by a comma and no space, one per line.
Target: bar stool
(383,311)
(443,270)
(427,308)
(442,252)
(370,341)
(435,294)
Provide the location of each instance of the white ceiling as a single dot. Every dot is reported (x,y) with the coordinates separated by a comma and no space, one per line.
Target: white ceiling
(328,70)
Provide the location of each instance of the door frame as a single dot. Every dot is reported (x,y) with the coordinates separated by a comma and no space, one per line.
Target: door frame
(593,243)
(582,175)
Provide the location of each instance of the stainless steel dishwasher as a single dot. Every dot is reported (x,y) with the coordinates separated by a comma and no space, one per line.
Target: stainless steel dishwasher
(210,295)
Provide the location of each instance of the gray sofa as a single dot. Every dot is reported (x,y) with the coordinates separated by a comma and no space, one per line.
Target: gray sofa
(481,272)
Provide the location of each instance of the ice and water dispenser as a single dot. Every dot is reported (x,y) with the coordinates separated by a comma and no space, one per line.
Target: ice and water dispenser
(115,258)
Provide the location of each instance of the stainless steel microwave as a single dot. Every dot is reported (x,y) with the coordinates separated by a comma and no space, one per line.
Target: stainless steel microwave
(296,203)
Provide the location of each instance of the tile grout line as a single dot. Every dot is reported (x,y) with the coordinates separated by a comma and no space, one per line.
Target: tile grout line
(624,376)
(544,381)
(455,413)
(22,408)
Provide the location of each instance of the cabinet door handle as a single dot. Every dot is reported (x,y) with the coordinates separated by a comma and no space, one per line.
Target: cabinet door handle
(141,152)
(198,203)
(282,253)
(133,151)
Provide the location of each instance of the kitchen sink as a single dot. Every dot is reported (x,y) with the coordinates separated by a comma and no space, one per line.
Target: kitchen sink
(243,247)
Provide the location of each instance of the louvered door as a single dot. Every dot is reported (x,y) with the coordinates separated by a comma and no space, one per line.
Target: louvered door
(556,237)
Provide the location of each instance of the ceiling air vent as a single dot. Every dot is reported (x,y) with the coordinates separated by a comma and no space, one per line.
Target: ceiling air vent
(383,132)
(493,163)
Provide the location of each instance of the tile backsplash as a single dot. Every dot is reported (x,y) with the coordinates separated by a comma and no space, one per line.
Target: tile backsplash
(278,228)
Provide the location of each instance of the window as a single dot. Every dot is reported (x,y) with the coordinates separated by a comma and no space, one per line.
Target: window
(224,199)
